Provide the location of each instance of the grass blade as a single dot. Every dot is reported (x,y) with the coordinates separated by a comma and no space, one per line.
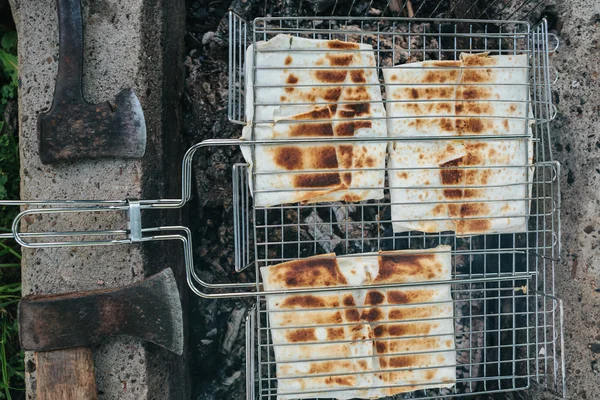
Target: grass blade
(3,360)
(10,250)
(8,303)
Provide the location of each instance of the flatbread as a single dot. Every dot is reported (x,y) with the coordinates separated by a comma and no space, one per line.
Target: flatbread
(416,354)
(417,199)
(495,197)
(476,95)
(340,99)
(421,98)
(313,343)
(305,327)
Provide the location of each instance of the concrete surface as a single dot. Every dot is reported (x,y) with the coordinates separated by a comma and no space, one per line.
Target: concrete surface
(576,140)
(133,43)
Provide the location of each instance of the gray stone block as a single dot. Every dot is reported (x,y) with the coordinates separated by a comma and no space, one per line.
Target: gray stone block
(576,142)
(131,43)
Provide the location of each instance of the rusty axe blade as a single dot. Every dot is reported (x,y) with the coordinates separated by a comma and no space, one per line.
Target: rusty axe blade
(74,129)
(149,310)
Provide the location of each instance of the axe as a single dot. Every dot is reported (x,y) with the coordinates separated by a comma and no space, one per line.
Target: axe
(72,128)
(60,327)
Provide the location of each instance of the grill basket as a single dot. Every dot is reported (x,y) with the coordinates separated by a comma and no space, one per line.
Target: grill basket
(507,322)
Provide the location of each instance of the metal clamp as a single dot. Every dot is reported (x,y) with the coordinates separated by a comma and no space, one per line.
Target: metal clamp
(135,220)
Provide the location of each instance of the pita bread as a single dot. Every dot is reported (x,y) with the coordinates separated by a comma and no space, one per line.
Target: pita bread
(477,95)
(289,96)
(308,328)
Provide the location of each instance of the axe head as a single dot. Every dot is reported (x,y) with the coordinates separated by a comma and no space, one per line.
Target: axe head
(148,310)
(74,129)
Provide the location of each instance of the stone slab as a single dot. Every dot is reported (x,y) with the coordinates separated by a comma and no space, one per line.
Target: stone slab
(132,43)
(576,142)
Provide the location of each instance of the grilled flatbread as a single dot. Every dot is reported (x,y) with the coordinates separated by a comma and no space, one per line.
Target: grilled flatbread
(476,95)
(494,186)
(413,342)
(330,334)
(306,88)
(421,98)
(304,340)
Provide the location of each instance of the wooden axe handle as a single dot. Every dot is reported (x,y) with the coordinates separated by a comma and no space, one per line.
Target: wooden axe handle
(66,375)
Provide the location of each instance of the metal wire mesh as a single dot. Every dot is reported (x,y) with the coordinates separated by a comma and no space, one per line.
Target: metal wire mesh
(504,342)
(507,324)
(285,232)
(397,41)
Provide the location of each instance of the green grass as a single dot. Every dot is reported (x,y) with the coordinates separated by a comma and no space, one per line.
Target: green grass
(11,356)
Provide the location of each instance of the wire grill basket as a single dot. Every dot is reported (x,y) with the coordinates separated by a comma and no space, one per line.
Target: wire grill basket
(507,322)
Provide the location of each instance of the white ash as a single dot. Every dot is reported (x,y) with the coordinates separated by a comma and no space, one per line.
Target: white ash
(355,229)
(342,215)
(321,232)
(211,333)
(228,381)
(468,304)
(233,328)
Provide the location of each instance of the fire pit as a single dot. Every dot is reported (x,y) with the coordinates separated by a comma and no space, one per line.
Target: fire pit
(498,308)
